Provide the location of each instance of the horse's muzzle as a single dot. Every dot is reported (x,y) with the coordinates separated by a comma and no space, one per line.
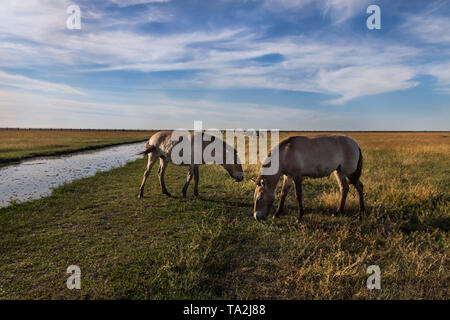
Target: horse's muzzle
(259,216)
(239,177)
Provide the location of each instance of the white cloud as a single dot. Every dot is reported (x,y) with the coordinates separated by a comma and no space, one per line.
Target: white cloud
(44,21)
(433,29)
(346,68)
(19,109)
(127,3)
(441,71)
(18,81)
(34,20)
(37,110)
(221,60)
(429,28)
(352,82)
(338,10)
(350,70)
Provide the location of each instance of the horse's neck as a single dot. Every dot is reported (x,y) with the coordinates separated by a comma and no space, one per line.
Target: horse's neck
(227,148)
(271,181)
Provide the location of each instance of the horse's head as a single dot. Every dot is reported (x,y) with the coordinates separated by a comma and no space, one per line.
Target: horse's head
(263,200)
(234,169)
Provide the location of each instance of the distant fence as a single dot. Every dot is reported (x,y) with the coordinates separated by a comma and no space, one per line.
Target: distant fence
(147,130)
(75,129)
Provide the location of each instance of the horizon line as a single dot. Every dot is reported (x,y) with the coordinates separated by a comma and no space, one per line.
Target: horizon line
(166,129)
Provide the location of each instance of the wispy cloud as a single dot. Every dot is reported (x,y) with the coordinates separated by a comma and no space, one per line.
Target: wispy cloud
(221,58)
(358,81)
(25,109)
(21,109)
(226,59)
(33,20)
(127,3)
(430,28)
(210,51)
(17,81)
(441,72)
(337,10)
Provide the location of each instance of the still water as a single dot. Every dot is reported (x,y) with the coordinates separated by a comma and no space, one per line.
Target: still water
(37,177)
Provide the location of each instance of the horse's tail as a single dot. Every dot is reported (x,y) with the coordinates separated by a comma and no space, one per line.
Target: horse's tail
(354,177)
(148,149)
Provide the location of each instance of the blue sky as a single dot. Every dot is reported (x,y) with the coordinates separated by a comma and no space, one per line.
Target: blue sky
(286,64)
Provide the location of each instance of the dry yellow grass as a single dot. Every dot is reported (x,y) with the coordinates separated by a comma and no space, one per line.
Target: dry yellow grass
(171,248)
(20,144)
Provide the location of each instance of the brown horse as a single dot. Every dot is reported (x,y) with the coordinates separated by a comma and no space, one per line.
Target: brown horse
(317,157)
(161,144)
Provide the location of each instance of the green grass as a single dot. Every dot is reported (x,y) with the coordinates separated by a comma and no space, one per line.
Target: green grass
(172,248)
(16,145)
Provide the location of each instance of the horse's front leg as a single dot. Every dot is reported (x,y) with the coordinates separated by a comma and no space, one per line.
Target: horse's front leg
(188,179)
(161,172)
(196,177)
(283,194)
(298,196)
(151,161)
(343,185)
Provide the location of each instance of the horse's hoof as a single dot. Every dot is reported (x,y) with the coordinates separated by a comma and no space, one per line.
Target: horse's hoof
(276,215)
(140,196)
(299,221)
(167,194)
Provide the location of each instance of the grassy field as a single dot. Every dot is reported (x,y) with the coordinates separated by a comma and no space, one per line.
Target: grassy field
(211,247)
(20,144)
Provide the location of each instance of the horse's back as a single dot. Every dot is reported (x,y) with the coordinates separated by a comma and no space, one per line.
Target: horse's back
(319,156)
(162,142)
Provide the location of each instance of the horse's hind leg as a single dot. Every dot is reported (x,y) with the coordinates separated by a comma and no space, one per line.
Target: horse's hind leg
(196,177)
(298,196)
(188,180)
(161,172)
(360,188)
(354,180)
(151,161)
(343,185)
(283,194)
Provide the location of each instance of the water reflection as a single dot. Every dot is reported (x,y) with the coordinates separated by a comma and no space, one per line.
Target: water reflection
(35,178)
